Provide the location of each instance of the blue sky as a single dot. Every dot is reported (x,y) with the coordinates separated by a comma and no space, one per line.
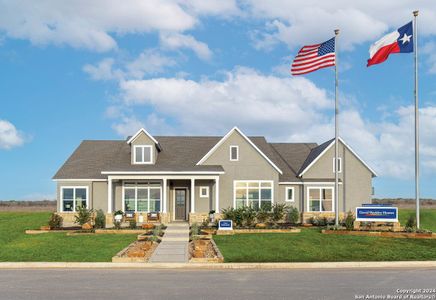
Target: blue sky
(102,70)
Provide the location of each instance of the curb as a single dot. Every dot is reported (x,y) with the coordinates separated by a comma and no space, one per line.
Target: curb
(219,266)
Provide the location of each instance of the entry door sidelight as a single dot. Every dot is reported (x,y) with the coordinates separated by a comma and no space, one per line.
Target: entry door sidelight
(180,213)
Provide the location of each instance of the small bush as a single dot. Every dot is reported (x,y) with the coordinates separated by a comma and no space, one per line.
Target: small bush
(278,212)
(248,216)
(117,225)
(293,215)
(349,221)
(205,223)
(228,213)
(323,221)
(100,219)
(83,216)
(55,221)
(157,231)
(195,230)
(410,223)
(132,224)
(263,215)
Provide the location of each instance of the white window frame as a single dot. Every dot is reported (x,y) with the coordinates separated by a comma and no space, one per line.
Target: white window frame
(143,162)
(320,193)
(340,164)
(286,194)
(204,188)
(260,183)
(136,188)
(237,152)
(74,197)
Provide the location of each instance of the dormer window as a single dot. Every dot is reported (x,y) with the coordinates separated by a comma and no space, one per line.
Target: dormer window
(143,154)
(234,153)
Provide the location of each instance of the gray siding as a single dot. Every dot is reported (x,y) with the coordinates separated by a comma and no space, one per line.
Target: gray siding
(144,140)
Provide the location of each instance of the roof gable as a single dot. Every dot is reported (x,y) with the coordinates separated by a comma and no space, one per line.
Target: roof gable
(138,133)
(319,151)
(220,142)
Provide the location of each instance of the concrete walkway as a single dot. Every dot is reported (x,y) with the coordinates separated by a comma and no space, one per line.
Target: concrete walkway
(174,245)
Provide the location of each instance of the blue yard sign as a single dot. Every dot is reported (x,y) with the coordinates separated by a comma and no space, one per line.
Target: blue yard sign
(225,225)
(377,214)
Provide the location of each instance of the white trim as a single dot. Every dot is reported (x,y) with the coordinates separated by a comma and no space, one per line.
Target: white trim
(164,194)
(136,188)
(306,183)
(109,195)
(340,165)
(161,172)
(74,187)
(247,139)
(217,195)
(320,204)
(133,138)
(328,147)
(192,191)
(143,162)
(260,187)
(79,180)
(237,152)
(286,194)
(206,195)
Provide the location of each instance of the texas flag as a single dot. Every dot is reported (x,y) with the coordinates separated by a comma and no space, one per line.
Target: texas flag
(399,41)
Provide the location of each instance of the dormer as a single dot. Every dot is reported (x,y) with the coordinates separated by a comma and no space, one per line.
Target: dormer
(144,148)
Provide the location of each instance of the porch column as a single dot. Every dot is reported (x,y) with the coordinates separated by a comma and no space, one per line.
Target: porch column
(217,195)
(164,196)
(192,195)
(109,194)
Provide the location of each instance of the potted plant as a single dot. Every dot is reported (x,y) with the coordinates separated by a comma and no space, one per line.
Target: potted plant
(211,215)
(118,215)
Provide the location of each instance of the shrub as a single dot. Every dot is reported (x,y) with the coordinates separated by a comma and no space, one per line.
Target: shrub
(132,224)
(314,221)
(83,216)
(100,219)
(349,221)
(228,213)
(55,221)
(263,215)
(205,223)
(248,216)
(157,231)
(195,230)
(117,225)
(410,223)
(293,215)
(323,221)
(278,212)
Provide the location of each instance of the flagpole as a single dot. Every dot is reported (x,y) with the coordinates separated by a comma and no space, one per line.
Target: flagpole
(336,132)
(415,33)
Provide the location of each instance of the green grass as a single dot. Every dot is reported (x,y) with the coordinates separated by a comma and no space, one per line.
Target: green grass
(427,217)
(311,246)
(15,245)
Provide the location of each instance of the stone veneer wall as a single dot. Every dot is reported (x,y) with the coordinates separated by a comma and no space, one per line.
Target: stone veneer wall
(330,215)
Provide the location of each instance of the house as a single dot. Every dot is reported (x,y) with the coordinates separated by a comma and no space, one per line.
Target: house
(185,177)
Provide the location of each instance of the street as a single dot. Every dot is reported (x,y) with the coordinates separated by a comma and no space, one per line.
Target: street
(213,284)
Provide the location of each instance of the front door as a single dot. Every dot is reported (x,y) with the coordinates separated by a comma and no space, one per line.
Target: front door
(180,210)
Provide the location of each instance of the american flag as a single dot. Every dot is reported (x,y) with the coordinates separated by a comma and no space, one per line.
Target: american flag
(314,57)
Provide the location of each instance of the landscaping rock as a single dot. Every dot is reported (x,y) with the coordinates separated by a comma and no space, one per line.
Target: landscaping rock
(87,226)
(147,226)
(260,225)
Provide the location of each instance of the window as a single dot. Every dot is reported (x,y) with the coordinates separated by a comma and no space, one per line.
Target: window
(289,194)
(74,197)
(204,191)
(234,153)
(320,199)
(255,194)
(143,154)
(142,196)
(339,165)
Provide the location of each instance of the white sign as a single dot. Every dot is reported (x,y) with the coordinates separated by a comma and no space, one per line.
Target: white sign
(225,225)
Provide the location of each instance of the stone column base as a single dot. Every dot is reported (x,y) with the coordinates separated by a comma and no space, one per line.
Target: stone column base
(306,216)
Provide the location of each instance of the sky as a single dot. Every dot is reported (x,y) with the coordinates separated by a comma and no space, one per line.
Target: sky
(102,69)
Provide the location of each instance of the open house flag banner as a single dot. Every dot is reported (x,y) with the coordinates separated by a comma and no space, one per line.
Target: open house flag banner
(399,41)
(314,57)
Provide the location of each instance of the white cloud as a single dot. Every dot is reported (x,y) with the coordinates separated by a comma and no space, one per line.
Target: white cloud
(10,137)
(283,109)
(176,41)
(430,50)
(296,23)
(103,70)
(151,61)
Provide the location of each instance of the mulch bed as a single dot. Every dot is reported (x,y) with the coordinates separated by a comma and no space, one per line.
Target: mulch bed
(138,251)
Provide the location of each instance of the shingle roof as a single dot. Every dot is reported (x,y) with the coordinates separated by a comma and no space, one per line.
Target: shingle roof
(314,153)
(94,156)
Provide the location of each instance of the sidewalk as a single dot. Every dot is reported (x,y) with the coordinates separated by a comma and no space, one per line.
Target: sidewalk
(174,245)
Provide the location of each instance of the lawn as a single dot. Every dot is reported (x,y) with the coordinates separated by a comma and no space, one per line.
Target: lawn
(15,245)
(427,217)
(310,246)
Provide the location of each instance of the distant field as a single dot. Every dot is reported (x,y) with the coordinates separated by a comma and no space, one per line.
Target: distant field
(43,205)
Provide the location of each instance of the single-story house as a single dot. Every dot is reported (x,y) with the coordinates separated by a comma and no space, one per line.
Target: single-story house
(185,177)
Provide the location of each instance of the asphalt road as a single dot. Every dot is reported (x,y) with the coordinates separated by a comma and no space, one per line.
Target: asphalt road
(213,284)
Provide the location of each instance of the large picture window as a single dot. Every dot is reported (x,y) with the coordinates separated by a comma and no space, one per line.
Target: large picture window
(142,196)
(254,194)
(320,199)
(74,197)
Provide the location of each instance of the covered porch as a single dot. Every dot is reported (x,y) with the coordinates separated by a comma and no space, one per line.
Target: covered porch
(176,197)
